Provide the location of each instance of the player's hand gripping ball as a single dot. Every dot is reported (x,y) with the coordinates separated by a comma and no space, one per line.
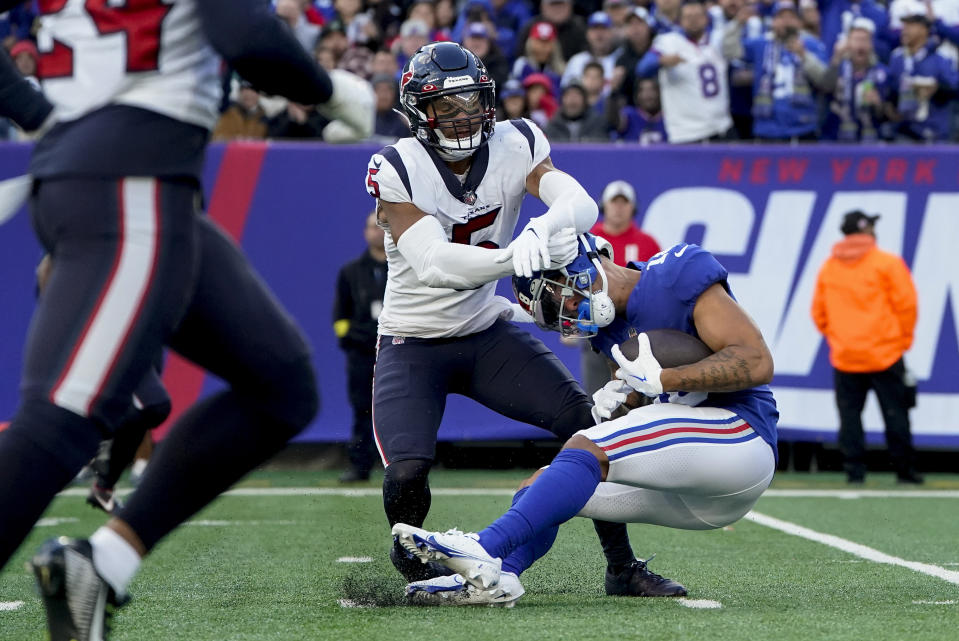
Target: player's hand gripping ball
(641,373)
(641,359)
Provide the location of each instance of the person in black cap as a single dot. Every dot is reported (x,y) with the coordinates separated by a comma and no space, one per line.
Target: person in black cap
(865,304)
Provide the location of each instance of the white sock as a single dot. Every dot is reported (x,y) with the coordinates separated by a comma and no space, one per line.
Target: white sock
(114,559)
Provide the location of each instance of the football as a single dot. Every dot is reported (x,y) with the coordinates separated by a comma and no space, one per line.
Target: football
(671,347)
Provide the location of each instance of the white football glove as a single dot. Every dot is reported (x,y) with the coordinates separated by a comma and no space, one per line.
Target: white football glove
(529,250)
(642,374)
(563,247)
(607,399)
(352,108)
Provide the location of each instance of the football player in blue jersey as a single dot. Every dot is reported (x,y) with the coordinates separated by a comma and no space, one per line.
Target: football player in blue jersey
(697,457)
(449,198)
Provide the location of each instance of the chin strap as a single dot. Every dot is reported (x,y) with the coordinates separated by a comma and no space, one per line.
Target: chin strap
(598,309)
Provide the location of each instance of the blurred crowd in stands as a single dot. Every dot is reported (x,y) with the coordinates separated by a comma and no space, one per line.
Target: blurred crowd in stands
(634,71)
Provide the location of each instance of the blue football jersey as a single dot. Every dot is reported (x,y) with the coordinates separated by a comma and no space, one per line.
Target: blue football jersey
(664,298)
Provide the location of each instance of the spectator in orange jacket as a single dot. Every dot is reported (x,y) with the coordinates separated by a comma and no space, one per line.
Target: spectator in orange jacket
(865,305)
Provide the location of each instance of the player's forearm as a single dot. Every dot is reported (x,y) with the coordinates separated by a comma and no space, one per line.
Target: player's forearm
(20,101)
(263,50)
(569,204)
(439,263)
(731,369)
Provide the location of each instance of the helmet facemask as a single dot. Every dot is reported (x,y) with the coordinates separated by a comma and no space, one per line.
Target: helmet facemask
(580,319)
(546,296)
(456,124)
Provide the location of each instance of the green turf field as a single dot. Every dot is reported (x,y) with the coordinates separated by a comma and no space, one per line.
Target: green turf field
(266,567)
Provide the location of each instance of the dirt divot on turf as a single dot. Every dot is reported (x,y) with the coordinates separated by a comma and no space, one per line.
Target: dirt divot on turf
(369,586)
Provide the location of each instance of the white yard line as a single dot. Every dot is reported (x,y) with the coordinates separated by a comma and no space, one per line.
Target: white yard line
(851,547)
(10,606)
(488,491)
(949,602)
(53,521)
(355,559)
(699,604)
(222,522)
(864,494)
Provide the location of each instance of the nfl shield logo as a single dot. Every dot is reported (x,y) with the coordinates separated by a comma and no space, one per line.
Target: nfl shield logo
(398,340)
(469,198)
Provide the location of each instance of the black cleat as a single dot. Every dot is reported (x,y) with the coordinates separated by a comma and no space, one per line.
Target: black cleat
(636,580)
(412,568)
(910,477)
(78,602)
(354,475)
(103,498)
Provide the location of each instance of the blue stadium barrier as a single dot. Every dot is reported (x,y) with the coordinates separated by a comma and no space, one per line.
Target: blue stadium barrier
(769,213)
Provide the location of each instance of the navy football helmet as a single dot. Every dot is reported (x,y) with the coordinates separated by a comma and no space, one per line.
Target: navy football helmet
(449,99)
(544,296)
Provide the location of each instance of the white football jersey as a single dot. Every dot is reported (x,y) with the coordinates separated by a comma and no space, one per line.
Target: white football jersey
(695,93)
(96,52)
(482,212)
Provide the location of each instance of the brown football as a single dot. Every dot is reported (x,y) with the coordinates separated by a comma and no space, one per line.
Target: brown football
(671,347)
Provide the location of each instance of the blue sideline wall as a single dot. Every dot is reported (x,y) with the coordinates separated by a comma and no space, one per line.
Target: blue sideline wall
(769,213)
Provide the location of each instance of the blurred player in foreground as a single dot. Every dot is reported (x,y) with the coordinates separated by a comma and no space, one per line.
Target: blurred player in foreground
(136,266)
(697,458)
(151,406)
(450,199)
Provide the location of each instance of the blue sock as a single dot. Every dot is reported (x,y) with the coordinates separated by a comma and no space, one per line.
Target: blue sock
(556,496)
(520,559)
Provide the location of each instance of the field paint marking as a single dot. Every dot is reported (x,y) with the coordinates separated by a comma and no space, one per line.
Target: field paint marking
(355,559)
(699,604)
(10,606)
(857,549)
(865,494)
(935,602)
(52,521)
(220,523)
(453,491)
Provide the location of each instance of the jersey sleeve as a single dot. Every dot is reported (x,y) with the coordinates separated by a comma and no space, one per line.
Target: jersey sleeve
(387,177)
(613,334)
(541,144)
(536,146)
(693,270)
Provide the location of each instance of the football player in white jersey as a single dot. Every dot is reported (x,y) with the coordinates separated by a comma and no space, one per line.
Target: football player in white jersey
(450,199)
(115,202)
(692,78)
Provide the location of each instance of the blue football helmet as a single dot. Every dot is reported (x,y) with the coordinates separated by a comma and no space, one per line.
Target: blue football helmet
(544,296)
(449,99)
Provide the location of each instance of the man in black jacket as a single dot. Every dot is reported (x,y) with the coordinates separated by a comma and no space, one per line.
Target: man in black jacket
(360,286)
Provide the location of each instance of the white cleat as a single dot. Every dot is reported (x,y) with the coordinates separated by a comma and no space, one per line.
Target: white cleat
(453,590)
(458,551)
